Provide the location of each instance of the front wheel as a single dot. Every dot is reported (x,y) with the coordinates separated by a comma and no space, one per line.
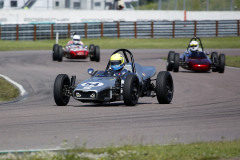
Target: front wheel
(221,63)
(91,52)
(164,87)
(97,53)
(214,59)
(60,54)
(170,60)
(176,63)
(131,90)
(55,52)
(61,90)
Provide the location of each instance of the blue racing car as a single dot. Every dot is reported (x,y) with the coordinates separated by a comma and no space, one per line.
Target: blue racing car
(109,85)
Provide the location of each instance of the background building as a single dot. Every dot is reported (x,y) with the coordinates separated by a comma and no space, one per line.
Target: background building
(65,4)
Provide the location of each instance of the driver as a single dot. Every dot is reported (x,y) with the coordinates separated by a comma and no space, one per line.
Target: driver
(117,63)
(76,40)
(193,47)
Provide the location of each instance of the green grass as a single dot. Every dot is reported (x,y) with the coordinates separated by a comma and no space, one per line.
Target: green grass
(115,43)
(196,151)
(7,91)
(233,61)
(191,5)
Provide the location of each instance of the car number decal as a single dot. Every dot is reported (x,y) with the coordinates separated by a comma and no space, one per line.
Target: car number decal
(92,84)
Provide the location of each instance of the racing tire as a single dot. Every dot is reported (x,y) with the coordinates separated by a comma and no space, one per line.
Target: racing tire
(176,63)
(60,54)
(214,59)
(55,52)
(97,53)
(170,60)
(61,85)
(164,87)
(221,65)
(91,52)
(131,90)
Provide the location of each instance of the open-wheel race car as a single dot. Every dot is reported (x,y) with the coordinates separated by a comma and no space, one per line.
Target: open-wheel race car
(196,59)
(76,51)
(132,82)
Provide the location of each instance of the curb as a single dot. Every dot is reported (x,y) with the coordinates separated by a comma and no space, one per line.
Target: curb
(23,93)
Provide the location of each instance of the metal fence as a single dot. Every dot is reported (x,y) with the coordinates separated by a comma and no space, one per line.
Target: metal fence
(146,29)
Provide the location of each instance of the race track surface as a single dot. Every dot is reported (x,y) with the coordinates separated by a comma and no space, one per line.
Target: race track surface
(205,106)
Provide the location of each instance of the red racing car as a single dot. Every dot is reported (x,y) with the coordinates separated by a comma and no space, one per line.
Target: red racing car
(76,51)
(196,59)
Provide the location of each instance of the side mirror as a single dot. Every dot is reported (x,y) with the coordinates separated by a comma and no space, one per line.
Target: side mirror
(207,53)
(86,47)
(90,71)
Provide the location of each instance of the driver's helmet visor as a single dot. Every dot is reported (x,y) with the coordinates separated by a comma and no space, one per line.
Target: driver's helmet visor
(76,39)
(193,45)
(115,62)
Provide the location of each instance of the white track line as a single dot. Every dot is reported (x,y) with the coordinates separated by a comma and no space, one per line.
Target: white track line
(19,86)
(30,150)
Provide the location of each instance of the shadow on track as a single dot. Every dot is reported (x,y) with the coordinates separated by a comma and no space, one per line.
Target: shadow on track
(96,105)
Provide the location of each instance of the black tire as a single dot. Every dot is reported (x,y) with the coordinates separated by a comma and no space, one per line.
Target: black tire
(55,52)
(164,87)
(62,82)
(176,63)
(60,54)
(91,52)
(131,90)
(221,64)
(97,53)
(214,59)
(170,60)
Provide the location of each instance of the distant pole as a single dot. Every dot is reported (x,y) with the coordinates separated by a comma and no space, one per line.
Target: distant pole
(207,5)
(231,5)
(159,4)
(57,34)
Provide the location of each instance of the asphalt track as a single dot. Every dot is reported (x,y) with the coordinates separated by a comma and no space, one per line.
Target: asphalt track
(205,107)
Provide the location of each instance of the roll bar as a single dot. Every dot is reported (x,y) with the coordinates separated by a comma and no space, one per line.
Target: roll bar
(125,51)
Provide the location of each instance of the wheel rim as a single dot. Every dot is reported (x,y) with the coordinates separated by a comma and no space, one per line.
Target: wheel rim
(169,89)
(65,93)
(135,91)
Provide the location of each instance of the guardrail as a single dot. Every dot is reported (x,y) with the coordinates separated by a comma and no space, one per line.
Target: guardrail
(145,29)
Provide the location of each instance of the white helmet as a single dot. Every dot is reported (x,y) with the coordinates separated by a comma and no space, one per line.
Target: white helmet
(194,46)
(76,39)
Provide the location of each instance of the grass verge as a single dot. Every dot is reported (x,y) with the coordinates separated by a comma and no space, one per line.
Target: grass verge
(115,43)
(224,150)
(7,91)
(233,61)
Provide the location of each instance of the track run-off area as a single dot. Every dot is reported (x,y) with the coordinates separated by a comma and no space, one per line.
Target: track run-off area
(205,106)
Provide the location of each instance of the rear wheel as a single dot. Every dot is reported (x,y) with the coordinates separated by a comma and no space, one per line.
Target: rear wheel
(61,89)
(214,59)
(55,52)
(131,90)
(164,87)
(176,63)
(91,52)
(60,54)
(97,53)
(221,65)
(170,60)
